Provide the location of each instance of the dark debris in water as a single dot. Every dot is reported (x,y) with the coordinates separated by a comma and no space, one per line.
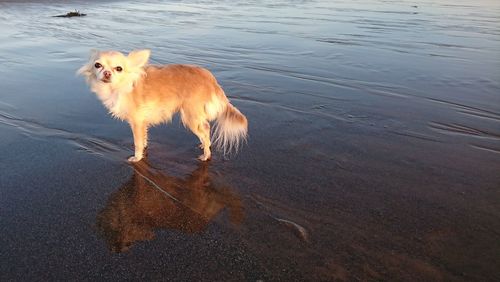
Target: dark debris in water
(76,13)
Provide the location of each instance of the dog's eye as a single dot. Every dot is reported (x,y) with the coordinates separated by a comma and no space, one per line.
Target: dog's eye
(118,69)
(97,65)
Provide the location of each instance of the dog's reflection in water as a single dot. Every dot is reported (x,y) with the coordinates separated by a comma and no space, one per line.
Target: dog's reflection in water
(153,200)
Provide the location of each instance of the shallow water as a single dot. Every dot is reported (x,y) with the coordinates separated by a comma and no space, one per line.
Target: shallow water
(374,148)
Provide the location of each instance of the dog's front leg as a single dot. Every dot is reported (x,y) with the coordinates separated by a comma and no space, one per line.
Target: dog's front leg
(139,132)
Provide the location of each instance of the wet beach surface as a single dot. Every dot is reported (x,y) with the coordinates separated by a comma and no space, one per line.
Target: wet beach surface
(374,148)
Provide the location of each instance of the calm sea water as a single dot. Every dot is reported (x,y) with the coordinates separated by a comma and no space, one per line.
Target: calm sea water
(374,149)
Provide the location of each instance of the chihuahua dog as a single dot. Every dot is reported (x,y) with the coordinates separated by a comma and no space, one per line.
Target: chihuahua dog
(146,95)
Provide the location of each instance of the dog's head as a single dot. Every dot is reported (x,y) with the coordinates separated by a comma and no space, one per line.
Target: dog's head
(114,68)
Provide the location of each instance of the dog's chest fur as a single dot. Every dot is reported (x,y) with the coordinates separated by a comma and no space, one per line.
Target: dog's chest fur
(115,100)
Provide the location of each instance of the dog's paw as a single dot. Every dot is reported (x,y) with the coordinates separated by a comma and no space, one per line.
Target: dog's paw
(204,158)
(133,159)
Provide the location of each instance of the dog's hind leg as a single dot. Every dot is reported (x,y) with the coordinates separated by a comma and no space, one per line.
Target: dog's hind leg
(200,126)
(202,130)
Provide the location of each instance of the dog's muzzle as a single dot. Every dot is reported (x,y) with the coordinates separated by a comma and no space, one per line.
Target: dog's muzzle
(107,77)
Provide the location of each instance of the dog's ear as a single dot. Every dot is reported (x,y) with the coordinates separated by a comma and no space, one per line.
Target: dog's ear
(85,70)
(138,58)
(94,53)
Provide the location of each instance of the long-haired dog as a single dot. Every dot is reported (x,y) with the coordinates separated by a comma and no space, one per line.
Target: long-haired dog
(146,95)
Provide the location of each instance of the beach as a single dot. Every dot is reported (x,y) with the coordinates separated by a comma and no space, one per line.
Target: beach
(373,151)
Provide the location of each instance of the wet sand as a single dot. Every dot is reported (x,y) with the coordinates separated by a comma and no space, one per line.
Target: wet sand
(374,148)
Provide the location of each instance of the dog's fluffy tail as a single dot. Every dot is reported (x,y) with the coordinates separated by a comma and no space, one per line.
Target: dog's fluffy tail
(231,129)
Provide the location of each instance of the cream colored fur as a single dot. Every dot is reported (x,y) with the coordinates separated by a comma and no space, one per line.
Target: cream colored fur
(146,95)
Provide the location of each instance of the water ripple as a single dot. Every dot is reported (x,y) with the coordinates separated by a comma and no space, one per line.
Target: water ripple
(83,142)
